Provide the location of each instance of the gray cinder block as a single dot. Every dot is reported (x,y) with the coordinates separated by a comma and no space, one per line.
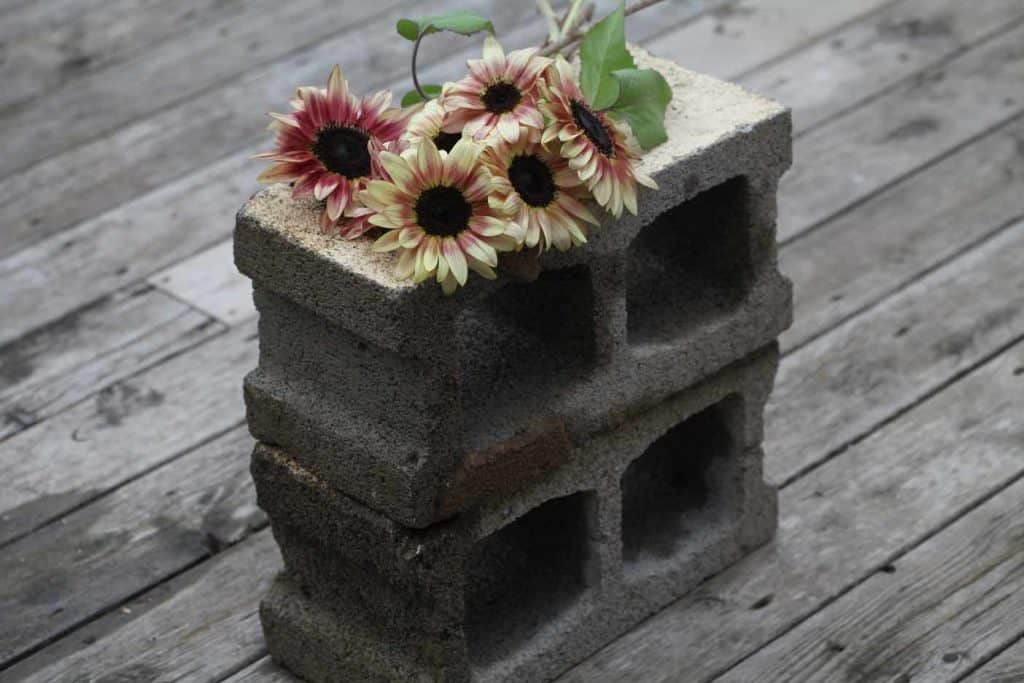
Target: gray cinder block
(531,581)
(420,406)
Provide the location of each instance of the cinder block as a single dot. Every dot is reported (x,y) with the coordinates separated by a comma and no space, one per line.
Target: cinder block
(531,581)
(409,401)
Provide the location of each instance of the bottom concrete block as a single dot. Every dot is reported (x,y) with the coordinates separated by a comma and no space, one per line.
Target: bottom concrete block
(521,588)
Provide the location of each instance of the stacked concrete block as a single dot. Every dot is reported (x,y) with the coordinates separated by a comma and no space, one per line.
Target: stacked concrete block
(491,486)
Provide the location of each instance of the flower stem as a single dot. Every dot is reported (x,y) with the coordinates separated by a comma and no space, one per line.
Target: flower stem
(545,8)
(570,18)
(575,35)
(415,80)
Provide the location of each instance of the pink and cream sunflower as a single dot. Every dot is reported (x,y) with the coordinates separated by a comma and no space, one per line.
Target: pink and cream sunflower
(434,209)
(499,96)
(601,150)
(426,123)
(536,187)
(328,147)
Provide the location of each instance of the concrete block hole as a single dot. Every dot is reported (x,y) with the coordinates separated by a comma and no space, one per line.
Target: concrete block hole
(684,485)
(691,264)
(523,577)
(523,343)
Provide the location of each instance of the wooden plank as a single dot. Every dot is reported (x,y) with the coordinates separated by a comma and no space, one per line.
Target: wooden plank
(838,525)
(48,44)
(53,278)
(1008,667)
(263,671)
(737,38)
(939,110)
(96,102)
(57,365)
(858,259)
(844,385)
(133,159)
(840,71)
(210,282)
(955,600)
(126,429)
(142,533)
(202,627)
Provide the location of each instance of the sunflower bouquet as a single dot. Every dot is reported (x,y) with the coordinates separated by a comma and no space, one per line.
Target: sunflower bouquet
(519,154)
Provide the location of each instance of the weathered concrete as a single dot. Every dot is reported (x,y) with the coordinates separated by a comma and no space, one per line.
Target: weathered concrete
(399,395)
(531,581)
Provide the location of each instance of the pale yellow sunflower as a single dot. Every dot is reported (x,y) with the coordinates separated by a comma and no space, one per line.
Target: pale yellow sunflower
(426,123)
(434,209)
(499,96)
(537,188)
(600,149)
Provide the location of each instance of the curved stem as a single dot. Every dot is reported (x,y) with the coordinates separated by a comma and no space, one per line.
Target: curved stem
(415,80)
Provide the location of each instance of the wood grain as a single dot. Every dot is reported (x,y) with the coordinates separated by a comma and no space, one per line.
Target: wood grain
(845,384)
(1007,667)
(845,69)
(838,525)
(861,257)
(202,627)
(142,533)
(123,431)
(938,110)
(956,599)
(59,364)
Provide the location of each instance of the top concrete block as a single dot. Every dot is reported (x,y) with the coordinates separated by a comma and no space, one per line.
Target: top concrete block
(717,132)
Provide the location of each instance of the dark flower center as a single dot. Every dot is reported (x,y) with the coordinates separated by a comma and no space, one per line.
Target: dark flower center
(532,179)
(446,141)
(592,126)
(343,150)
(443,211)
(501,97)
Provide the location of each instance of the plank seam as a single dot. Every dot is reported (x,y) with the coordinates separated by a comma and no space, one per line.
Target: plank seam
(900,288)
(971,670)
(959,52)
(902,552)
(900,412)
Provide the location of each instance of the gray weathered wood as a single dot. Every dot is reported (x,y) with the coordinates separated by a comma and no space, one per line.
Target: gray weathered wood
(1007,667)
(263,671)
(134,158)
(95,102)
(737,38)
(57,365)
(48,44)
(854,156)
(127,428)
(142,533)
(202,629)
(838,525)
(210,282)
(955,600)
(842,70)
(843,385)
(866,254)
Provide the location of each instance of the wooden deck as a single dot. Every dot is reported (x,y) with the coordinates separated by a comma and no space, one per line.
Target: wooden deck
(130,545)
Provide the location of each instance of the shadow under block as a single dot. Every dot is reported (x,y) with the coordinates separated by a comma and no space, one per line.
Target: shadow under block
(529,582)
(421,405)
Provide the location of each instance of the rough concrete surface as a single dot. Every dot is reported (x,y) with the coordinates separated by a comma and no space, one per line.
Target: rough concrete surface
(531,581)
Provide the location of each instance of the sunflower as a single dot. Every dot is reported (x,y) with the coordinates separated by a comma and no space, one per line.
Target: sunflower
(435,209)
(601,150)
(536,187)
(499,96)
(328,147)
(426,123)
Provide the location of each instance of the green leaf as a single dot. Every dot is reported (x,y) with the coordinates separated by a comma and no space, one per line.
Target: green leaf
(643,96)
(459,21)
(602,52)
(412,97)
